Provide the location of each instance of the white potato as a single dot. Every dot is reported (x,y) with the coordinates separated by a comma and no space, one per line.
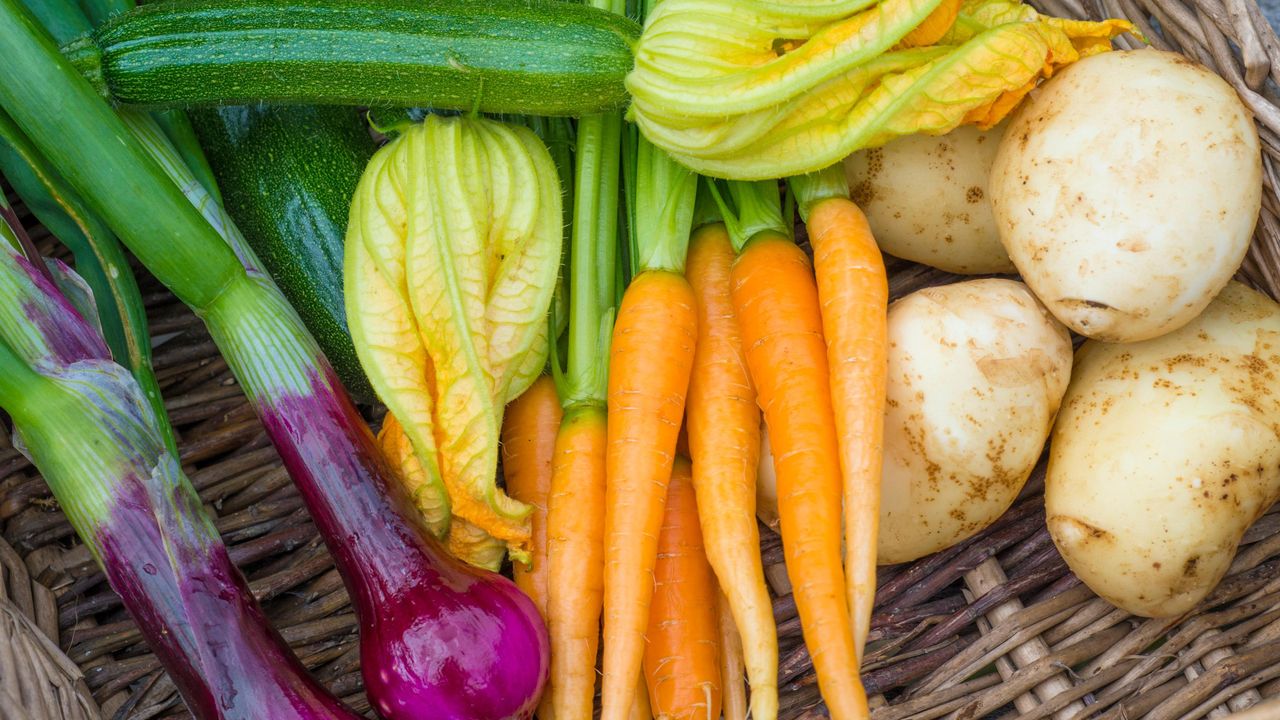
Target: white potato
(926,199)
(976,372)
(1165,452)
(1126,190)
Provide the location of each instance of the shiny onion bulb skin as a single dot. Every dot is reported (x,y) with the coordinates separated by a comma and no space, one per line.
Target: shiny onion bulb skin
(439,638)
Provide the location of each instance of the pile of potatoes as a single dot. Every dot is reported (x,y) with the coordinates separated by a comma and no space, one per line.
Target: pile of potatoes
(1123,194)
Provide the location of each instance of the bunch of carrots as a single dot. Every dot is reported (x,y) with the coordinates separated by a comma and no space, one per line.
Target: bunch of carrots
(640,452)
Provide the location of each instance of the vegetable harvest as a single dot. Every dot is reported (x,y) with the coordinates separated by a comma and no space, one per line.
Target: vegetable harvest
(622,293)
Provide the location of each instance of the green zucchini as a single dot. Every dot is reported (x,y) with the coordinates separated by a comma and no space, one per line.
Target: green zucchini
(287,175)
(534,57)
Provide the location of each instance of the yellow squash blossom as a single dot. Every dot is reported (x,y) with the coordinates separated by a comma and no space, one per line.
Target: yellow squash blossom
(452,253)
(750,89)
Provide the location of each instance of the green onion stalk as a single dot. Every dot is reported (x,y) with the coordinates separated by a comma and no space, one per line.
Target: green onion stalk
(83,420)
(407,592)
(66,21)
(99,258)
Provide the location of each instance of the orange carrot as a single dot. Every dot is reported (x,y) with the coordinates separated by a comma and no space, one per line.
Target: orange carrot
(731,668)
(682,648)
(529,428)
(640,709)
(776,299)
(649,364)
(854,292)
(575,545)
(724,440)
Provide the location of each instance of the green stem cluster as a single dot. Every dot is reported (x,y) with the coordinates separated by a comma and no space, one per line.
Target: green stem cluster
(665,195)
(813,188)
(593,254)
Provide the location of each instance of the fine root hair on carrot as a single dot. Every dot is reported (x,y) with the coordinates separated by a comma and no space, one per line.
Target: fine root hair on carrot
(682,645)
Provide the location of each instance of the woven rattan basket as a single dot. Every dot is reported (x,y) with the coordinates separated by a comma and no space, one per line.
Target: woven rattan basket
(994,627)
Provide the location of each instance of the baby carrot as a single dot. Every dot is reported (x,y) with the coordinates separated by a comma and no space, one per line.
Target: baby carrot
(854,292)
(529,429)
(682,645)
(776,298)
(649,365)
(724,440)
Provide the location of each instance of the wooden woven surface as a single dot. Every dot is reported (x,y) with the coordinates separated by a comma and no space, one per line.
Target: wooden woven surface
(995,627)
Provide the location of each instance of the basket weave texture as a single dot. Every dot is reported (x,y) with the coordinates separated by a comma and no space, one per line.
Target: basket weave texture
(995,627)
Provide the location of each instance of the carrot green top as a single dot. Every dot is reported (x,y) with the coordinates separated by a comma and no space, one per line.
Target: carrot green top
(752,209)
(665,195)
(815,187)
(593,263)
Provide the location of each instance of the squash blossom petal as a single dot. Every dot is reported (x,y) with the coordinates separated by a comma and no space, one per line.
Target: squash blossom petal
(752,89)
(453,249)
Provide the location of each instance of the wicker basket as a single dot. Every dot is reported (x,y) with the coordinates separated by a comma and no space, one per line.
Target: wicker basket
(994,626)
